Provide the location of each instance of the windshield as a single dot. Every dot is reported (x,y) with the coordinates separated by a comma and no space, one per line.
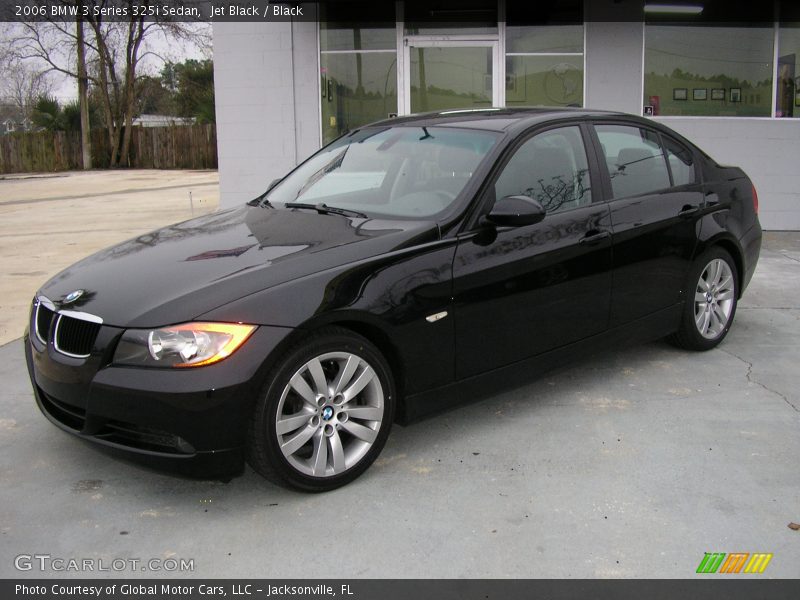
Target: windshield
(398,171)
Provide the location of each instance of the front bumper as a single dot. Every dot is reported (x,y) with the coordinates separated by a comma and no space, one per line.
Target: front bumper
(187,421)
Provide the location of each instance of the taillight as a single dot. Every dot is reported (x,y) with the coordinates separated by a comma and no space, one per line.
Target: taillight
(755,200)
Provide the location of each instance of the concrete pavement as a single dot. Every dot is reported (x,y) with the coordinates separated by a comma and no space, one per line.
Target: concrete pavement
(49,221)
(632,464)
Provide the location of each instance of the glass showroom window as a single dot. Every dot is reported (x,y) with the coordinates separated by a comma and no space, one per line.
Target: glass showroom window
(450,17)
(358,66)
(544,63)
(708,71)
(787,96)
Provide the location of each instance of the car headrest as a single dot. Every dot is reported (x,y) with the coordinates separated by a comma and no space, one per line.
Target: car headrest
(550,163)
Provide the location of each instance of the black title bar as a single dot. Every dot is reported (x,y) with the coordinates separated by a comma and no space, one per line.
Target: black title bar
(364,11)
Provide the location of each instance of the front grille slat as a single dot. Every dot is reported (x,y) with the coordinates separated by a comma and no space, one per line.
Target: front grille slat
(44,319)
(75,337)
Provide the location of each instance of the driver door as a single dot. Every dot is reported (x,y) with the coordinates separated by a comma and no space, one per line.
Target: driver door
(525,290)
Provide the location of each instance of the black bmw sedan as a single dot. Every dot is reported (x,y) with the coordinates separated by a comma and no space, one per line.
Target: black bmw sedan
(409,265)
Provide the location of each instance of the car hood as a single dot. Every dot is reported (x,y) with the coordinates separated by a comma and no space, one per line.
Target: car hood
(179,272)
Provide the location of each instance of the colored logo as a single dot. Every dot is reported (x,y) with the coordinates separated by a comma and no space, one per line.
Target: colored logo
(735,562)
(72,297)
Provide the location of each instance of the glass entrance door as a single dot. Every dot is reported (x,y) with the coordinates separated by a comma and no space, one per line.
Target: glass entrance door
(441,75)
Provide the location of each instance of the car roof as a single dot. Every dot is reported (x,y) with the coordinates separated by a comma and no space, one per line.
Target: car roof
(494,119)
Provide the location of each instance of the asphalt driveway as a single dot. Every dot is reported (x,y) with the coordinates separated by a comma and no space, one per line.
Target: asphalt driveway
(631,464)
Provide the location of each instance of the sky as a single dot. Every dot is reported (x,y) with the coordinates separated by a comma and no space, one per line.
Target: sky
(66,88)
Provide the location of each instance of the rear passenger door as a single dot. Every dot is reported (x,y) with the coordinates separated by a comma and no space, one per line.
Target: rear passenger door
(655,197)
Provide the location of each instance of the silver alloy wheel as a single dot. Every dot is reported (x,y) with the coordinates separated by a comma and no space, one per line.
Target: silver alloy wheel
(329,414)
(714,299)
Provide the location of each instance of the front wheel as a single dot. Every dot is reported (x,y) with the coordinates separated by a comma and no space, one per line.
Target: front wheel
(710,303)
(325,414)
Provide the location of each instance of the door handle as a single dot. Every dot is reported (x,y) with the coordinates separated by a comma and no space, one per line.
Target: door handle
(688,210)
(594,237)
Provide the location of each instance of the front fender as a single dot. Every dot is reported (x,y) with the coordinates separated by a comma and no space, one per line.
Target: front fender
(391,294)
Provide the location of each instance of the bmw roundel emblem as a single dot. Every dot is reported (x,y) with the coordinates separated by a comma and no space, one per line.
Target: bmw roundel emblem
(72,297)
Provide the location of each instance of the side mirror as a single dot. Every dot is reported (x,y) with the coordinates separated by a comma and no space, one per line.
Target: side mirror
(516,211)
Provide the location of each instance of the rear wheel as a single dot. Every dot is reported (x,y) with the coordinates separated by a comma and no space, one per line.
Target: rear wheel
(710,305)
(325,414)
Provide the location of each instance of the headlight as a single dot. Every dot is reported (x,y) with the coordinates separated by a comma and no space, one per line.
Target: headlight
(186,345)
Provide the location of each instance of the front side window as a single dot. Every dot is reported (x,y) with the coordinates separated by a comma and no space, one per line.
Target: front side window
(409,172)
(634,159)
(551,167)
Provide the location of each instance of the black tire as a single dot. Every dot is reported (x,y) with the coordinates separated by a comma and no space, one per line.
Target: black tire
(689,335)
(264,441)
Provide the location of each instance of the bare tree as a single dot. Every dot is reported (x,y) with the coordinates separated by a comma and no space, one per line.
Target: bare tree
(22,84)
(114,51)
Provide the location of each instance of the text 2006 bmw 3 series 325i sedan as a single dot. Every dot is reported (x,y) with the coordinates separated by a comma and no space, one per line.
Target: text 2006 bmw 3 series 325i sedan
(409,265)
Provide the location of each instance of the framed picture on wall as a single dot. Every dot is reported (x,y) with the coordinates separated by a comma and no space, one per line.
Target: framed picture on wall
(699,94)
(680,94)
(718,94)
(736,94)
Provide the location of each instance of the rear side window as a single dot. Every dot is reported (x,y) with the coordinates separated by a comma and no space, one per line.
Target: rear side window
(634,158)
(551,167)
(681,162)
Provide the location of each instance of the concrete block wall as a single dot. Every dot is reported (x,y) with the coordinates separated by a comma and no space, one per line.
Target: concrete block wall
(266,81)
(767,149)
(614,66)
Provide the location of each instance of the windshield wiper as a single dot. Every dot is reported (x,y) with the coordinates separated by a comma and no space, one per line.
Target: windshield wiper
(261,200)
(324,209)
